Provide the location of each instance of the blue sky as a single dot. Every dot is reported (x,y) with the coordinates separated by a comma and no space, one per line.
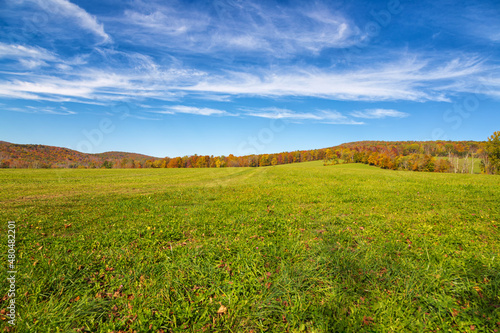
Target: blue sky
(174,78)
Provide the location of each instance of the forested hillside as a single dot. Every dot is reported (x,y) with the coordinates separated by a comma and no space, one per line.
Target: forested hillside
(431,156)
(39,156)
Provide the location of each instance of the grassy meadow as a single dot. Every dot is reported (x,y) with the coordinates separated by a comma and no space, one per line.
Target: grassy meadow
(290,248)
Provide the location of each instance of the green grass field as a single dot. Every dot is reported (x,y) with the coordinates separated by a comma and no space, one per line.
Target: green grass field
(297,248)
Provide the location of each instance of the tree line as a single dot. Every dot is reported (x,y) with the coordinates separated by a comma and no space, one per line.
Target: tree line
(426,156)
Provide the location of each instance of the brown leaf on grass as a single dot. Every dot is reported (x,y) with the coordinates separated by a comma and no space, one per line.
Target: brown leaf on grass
(454,312)
(222,309)
(68,225)
(367,321)
(132,319)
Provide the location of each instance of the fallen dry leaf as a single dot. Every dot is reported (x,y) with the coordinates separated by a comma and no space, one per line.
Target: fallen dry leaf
(367,320)
(222,309)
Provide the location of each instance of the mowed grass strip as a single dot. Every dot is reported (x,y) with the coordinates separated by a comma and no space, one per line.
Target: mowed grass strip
(302,247)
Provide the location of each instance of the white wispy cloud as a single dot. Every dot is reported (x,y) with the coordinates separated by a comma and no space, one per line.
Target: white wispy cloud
(17,51)
(255,27)
(335,117)
(68,10)
(323,116)
(277,113)
(191,110)
(91,87)
(107,74)
(489,85)
(480,20)
(495,36)
(165,21)
(85,20)
(29,57)
(33,57)
(31,63)
(379,114)
(483,84)
(61,110)
(406,79)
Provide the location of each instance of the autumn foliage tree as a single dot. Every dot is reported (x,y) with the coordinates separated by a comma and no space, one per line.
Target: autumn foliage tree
(492,163)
